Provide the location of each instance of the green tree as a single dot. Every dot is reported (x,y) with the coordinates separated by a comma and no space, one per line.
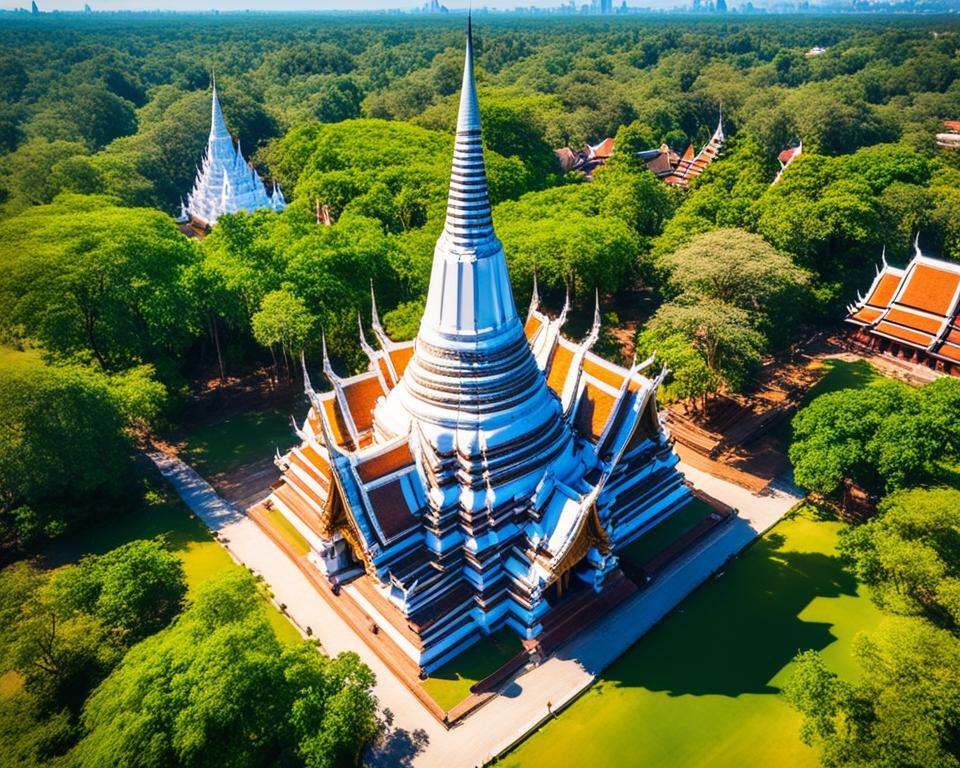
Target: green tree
(903,710)
(218,687)
(85,277)
(283,321)
(135,589)
(909,555)
(723,334)
(50,479)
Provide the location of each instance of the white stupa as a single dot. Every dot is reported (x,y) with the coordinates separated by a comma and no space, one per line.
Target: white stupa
(226,183)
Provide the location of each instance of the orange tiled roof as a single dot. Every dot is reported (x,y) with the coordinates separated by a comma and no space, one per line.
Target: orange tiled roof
(604,148)
(608,373)
(916,338)
(884,291)
(313,464)
(593,412)
(559,366)
(385,371)
(361,396)
(531,327)
(867,315)
(950,351)
(913,320)
(385,463)
(954,335)
(400,356)
(930,289)
(338,428)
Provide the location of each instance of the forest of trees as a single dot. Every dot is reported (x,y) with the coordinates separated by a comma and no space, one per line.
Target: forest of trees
(103,120)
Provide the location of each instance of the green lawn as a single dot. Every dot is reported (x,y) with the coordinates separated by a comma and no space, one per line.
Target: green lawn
(13,358)
(664,534)
(450,684)
(840,374)
(240,439)
(843,375)
(164,514)
(702,687)
(285,528)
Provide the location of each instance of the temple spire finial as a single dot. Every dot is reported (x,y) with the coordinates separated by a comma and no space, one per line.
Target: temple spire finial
(469,286)
(535,297)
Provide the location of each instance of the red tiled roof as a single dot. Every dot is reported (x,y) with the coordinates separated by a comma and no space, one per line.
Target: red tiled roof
(385,463)
(361,396)
(930,289)
(916,338)
(884,291)
(390,508)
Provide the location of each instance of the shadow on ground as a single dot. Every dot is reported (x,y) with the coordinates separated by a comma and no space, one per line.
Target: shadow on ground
(738,631)
(396,749)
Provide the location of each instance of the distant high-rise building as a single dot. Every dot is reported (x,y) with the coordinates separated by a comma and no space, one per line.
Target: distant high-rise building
(34,9)
(87,8)
(721,6)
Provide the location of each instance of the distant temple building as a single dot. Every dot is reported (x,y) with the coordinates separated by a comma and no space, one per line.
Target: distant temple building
(949,139)
(475,477)
(663,162)
(911,313)
(785,158)
(225,182)
(692,165)
(585,160)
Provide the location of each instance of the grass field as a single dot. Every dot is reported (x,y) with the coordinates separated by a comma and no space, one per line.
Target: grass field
(163,514)
(240,439)
(450,684)
(702,688)
(664,534)
(840,374)
(284,527)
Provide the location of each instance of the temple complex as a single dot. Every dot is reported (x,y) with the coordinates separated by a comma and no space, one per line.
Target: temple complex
(225,182)
(911,313)
(478,476)
(692,165)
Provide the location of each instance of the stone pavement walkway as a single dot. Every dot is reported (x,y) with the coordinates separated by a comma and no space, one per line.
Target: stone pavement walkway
(416,738)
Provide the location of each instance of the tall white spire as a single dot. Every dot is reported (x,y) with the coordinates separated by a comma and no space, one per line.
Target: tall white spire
(225,183)
(473,385)
(470,290)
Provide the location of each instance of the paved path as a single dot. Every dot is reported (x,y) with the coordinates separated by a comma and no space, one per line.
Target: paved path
(416,738)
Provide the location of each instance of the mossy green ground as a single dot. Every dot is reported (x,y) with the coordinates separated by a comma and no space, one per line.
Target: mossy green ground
(664,534)
(240,439)
(163,514)
(450,684)
(702,688)
(285,528)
